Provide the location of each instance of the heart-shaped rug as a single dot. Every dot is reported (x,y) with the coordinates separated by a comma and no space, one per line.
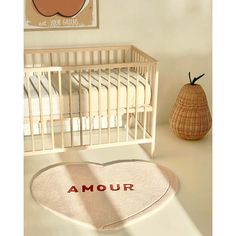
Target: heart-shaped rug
(105,196)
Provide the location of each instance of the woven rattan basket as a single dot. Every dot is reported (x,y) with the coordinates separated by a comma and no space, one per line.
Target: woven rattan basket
(190,118)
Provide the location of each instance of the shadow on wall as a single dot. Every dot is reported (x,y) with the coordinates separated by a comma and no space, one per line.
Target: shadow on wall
(173,74)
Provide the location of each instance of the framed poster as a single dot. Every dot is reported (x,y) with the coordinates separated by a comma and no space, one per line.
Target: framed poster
(60,14)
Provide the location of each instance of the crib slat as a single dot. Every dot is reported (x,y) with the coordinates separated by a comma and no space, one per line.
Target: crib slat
(150,113)
(154,106)
(33,59)
(107,56)
(118,107)
(115,56)
(83,58)
(75,58)
(25,59)
(99,57)
(109,107)
(90,108)
(50,56)
(127,106)
(136,58)
(136,107)
(41,59)
(70,109)
(92,57)
(51,112)
(139,59)
(61,110)
(30,112)
(145,103)
(41,110)
(59,59)
(80,113)
(99,107)
(67,58)
(123,56)
(132,53)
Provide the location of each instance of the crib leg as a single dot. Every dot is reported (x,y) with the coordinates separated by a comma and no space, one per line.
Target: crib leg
(154,115)
(152,149)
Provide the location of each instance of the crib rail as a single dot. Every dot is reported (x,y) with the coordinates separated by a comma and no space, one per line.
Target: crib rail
(76,56)
(95,97)
(84,56)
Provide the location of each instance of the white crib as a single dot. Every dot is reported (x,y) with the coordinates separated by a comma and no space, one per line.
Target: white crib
(89,97)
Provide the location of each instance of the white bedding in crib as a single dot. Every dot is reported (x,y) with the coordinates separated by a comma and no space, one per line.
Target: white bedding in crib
(85,94)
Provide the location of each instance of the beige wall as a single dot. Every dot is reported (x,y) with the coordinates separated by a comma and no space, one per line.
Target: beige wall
(176,32)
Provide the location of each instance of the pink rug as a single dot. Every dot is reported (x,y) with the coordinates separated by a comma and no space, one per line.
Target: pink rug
(104,196)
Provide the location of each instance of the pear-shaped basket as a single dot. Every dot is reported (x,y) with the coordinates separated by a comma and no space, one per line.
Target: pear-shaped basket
(191,118)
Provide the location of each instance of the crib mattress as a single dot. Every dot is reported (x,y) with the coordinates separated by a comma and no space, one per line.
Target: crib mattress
(89,97)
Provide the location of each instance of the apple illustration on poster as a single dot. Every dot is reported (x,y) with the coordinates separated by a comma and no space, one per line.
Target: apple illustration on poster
(66,8)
